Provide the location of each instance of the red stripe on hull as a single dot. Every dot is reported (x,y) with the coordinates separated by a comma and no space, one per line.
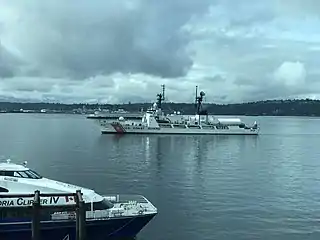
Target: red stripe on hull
(118,128)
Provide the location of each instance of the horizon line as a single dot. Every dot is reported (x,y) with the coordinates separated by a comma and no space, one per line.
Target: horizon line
(132,103)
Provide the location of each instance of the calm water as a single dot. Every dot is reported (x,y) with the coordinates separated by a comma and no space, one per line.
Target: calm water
(205,187)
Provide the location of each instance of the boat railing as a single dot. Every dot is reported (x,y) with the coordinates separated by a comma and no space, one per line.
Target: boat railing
(37,207)
(122,198)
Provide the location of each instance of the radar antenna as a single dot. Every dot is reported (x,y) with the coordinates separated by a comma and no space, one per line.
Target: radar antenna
(199,99)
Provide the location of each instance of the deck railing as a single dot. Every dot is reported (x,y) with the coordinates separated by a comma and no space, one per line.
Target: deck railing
(36,206)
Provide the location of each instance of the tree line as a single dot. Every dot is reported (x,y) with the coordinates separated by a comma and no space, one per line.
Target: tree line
(305,107)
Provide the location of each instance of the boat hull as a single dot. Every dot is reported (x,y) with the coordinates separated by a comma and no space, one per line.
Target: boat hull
(172,131)
(184,133)
(125,227)
(109,127)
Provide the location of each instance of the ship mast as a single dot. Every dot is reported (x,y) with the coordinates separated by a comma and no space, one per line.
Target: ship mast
(199,99)
(160,96)
(195,103)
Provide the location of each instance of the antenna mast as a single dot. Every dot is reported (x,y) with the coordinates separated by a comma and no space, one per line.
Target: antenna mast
(196,93)
(163,91)
(160,96)
(196,99)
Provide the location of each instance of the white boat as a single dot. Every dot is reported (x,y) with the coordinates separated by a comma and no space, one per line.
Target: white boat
(155,121)
(107,216)
(107,115)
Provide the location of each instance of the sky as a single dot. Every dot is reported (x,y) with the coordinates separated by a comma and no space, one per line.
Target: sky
(115,51)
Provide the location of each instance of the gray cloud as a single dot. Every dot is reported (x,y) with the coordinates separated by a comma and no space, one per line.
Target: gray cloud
(123,50)
(80,39)
(7,63)
(297,8)
(242,81)
(216,78)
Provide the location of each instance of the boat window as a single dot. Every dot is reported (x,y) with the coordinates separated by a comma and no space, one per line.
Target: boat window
(28,174)
(7,173)
(103,205)
(22,174)
(22,214)
(34,174)
(3,189)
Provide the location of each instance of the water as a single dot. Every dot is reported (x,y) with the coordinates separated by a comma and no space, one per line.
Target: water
(205,187)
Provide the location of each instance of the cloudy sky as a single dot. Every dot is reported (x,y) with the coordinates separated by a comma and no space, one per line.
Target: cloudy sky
(123,50)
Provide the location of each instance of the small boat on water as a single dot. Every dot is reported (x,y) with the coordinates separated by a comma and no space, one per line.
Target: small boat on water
(107,216)
(155,121)
(107,115)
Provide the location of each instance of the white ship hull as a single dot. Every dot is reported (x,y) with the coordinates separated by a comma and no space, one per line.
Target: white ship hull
(120,129)
(109,127)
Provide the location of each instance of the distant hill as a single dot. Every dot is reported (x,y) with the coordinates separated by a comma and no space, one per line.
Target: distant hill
(306,107)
